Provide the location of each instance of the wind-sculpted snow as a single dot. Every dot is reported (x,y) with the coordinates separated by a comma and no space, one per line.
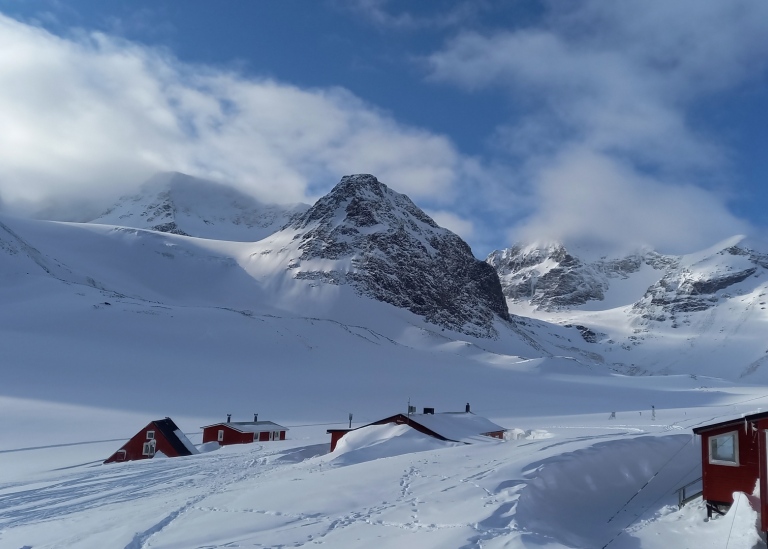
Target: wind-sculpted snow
(395,253)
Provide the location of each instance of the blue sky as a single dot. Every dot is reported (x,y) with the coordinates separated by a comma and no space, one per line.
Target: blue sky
(611,124)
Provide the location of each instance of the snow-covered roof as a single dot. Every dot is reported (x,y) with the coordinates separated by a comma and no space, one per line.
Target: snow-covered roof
(251,426)
(458,426)
(186,442)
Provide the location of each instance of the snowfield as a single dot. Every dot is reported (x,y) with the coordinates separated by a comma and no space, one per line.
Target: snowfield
(105,328)
(570,481)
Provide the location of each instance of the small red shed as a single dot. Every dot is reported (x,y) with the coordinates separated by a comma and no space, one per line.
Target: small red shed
(243,432)
(733,456)
(159,436)
(464,427)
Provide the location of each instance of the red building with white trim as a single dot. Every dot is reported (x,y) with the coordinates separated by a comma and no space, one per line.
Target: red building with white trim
(243,432)
(159,436)
(734,455)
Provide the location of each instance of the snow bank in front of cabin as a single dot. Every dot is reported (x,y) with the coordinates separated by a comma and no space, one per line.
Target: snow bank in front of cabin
(586,497)
(689,527)
(208,447)
(382,441)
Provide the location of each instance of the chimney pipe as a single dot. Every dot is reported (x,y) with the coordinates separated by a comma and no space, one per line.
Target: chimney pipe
(466,408)
(255,418)
(229,417)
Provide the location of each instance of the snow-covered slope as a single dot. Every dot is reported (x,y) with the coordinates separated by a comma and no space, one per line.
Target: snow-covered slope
(181,204)
(104,328)
(700,313)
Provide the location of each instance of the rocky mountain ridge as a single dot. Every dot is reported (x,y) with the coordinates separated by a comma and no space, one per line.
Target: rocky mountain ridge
(647,312)
(550,278)
(380,243)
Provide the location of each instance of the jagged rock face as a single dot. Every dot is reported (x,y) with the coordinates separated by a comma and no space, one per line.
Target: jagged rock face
(550,278)
(700,285)
(389,249)
(180,204)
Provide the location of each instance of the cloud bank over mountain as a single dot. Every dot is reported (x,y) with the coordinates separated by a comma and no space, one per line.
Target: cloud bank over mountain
(90,115)
(608,135)
(590,123)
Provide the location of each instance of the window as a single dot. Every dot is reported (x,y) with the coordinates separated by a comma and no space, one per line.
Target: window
(724,449)
(220,437)
(150,435)
(149,448)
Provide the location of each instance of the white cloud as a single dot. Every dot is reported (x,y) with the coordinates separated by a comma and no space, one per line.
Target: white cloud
(459,225)
(607,146)
(591,200)
(95,115)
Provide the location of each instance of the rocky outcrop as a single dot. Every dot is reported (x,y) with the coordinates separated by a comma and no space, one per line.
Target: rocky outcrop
(551,278)
(699,286)
(384,246)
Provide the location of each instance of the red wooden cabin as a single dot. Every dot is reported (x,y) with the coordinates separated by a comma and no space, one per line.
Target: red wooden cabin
(243,432)
(161,435)
(451,426)
(733,457)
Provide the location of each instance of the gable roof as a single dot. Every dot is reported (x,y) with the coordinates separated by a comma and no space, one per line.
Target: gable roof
(178,440)
(250,426)
(457,426)
(728,422)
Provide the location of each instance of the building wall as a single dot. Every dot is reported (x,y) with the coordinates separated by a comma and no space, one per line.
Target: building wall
(720,481)
(231,436)
(762,439)
(336,436)
(135,446)
(264,436)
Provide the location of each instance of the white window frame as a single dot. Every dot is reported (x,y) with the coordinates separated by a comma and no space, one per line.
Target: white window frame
(150,435)
(220,435)
(735,436)
(149,448)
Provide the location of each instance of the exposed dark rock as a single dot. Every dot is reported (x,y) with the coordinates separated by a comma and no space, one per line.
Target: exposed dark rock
(528,274)
(169,228)
(399,255)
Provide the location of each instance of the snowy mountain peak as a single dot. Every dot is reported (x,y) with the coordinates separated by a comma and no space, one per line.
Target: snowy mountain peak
(361,201)
(181,204)
(366,235)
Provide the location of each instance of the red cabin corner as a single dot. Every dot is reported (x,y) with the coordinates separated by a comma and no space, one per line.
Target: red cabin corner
(733,457)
